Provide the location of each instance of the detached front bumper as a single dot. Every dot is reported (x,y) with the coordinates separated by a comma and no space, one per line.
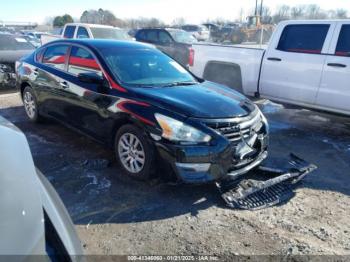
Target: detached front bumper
(202,164)
(266,186)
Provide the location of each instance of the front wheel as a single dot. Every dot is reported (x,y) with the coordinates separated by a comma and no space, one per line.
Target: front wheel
(134,152)
(30,104)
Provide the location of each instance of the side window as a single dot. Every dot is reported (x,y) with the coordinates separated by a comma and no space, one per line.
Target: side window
(81,61)
(343,46)
(303,38)
(164,38)
(82,32)
(152,36)
(69,32)
(141,36)
(56,56)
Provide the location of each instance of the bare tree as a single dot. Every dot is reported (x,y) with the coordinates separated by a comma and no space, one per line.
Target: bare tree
(241,15)
(297,12)
(266,17)
(341,13)
(282,13)
(315,12)
(100,16)
(179,21)
(142,22)
(49,20)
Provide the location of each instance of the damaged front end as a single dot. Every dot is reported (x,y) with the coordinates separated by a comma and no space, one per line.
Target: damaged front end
(7,76)
(265,186)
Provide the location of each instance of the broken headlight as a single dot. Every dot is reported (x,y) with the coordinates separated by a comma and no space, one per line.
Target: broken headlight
(175,130)
(264,120)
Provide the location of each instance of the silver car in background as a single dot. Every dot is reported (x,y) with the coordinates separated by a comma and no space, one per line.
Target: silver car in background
(33,219)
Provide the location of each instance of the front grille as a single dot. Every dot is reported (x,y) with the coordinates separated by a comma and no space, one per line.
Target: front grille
(261,199)
(235,129)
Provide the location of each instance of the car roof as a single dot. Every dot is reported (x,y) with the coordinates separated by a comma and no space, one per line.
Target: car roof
(161,29)
(104,43)
(90,25)
(320,21)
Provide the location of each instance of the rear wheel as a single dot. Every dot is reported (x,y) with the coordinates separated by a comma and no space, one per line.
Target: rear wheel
(30,104)
(134,153)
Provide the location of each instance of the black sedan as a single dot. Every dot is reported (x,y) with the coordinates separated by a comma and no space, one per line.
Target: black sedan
(146,106)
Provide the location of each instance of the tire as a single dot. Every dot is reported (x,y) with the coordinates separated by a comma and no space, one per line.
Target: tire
(31,106)
(142,149)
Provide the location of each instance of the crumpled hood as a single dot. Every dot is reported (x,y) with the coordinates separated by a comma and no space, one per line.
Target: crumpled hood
(203,100)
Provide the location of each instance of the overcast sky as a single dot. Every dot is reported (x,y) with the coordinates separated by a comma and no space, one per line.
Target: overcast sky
(194,11)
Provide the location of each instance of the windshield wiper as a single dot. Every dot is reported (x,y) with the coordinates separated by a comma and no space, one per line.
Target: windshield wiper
(179,84)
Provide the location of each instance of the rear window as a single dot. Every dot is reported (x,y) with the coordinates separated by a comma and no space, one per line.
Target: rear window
(181,36)
(190,28)
(141,35)
(152,36)
(107,33)
(303,38)
(164,37)
(69,32)
(343,46)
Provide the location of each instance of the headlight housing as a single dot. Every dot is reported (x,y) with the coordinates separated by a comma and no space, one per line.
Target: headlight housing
(264,120)
(177,131)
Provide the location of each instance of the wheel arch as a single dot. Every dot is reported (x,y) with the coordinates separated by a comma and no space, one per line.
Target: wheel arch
(122,120)
(226,73)
(23,85)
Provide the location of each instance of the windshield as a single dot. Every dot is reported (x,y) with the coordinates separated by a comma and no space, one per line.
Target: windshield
(145,67)
(109,33)
(182,36)
(9,42)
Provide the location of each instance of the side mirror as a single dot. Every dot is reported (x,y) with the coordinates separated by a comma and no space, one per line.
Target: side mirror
(91,78)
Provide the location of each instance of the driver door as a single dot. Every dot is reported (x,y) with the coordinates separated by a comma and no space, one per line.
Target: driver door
(86,103)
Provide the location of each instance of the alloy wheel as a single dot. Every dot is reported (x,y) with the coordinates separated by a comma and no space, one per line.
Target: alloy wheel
(131,153)
(29,104)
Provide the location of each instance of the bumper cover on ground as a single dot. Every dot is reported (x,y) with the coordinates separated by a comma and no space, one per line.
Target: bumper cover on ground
(265,186)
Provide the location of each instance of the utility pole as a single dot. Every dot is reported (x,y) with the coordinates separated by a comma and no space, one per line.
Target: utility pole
(256,7)
(261,8)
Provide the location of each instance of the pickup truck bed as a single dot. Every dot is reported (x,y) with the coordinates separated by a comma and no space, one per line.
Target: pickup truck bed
(233,66)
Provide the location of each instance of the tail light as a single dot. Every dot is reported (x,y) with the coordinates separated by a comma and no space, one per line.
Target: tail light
(191,57)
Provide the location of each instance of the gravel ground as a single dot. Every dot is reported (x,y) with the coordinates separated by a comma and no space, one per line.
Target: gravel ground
(116,215)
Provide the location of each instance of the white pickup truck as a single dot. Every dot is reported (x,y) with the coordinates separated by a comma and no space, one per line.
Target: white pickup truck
(306,63)
(82,30)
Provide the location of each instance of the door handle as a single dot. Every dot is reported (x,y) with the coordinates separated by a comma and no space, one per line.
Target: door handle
(274,59)
(336,65)
(64,85)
